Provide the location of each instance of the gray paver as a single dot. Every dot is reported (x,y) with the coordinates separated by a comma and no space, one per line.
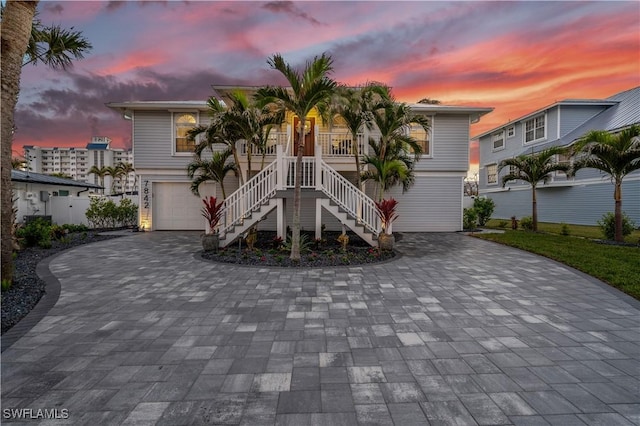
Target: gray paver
(456,331)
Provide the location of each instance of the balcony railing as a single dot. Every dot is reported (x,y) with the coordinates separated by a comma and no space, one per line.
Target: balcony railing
(333,144)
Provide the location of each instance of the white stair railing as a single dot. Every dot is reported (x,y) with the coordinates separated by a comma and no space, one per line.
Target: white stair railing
(249,197)
(350,198)
(308,172)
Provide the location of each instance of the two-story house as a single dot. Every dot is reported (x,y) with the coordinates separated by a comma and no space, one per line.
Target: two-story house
(161,153)
(580,200)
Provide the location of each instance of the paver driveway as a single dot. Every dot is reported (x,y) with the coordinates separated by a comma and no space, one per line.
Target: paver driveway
(457,331)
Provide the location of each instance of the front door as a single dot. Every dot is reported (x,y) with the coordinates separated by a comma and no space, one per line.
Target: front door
(309,136)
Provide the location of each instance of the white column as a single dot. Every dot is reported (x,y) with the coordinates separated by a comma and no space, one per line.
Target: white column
(318,167)
(281,217)
(318,218)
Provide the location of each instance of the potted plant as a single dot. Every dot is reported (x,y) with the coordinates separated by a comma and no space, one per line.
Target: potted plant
(212,211)
(386,210)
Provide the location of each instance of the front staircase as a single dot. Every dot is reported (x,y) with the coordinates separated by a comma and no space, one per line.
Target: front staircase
(254,200)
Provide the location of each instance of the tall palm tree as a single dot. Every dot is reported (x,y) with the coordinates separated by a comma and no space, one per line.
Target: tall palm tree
(101,172)
(616,155)
(213,170)
(391,162)
(533,169)
(310,89)
(116,174)
(16,33)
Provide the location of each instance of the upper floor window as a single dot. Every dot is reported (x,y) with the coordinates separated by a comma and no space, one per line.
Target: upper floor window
(423,138)
(498,141)
(492,174)
(534,129)
(183,122)
(511,131)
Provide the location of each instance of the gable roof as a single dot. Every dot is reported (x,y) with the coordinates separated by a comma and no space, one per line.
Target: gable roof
(31,177)
(622,110)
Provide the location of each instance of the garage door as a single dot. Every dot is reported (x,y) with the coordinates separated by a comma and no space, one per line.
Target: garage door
(176,208)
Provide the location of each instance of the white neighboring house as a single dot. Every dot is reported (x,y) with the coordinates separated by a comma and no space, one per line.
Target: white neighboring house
(76,162)
(64,200)
(161,154)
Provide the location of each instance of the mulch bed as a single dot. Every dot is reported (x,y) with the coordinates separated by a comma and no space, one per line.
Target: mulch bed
(327,251)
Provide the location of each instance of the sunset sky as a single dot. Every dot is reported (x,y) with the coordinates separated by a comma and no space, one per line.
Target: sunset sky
(514,56)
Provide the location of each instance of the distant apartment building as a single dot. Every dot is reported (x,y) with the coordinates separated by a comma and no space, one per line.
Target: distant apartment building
(76,162)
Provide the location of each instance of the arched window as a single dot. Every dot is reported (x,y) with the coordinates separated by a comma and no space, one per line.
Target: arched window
(183,122)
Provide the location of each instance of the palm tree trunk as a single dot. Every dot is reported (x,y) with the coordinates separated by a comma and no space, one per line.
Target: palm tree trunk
(617,196)
(234,151)
(297,194)
(534,208)
(249,147)
(17,19)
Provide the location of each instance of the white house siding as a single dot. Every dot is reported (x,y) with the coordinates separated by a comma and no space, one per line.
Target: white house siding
(153,146)
(450,145)
(432,204)
(583,205)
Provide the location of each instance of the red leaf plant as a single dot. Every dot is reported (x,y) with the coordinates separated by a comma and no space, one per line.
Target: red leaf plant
(212,211)
(386,210)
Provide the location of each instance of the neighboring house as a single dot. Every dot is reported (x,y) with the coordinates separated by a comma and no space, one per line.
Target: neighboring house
(581,200)
(161,155)
(76,162)
(64,200)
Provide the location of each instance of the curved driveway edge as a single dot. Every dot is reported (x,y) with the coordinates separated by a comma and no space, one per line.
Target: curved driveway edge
(457,331)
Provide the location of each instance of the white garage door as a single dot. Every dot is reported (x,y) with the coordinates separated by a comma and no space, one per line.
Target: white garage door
(176,208)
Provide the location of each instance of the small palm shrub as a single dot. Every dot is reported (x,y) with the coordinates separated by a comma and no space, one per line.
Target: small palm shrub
(527,223)
(608,225)
(484,208)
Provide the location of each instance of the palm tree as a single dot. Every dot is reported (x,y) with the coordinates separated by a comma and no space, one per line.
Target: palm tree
(221,130)
(101,172)
(16,33)
(355,106)
(127,169)
(116,174)
(616,155)
(310,89)
(533,169)
(391,161)
(252,122)
(213,170)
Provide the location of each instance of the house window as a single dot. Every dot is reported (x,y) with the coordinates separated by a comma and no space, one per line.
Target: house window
(534,129)
(498,141)
(423,138)
(511,131)
(562,159)
(492,174)
(183,122)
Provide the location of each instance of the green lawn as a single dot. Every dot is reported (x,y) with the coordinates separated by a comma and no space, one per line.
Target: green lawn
(585,231)
(617,265)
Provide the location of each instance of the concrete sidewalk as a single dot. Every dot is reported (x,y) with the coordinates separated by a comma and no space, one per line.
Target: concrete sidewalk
(458,331)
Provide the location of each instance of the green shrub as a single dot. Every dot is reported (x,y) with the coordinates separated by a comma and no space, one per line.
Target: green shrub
(469,218)
(564,230)
(75,228)
(58,232)
(484,208)
(503,224)
(104,213)
(35,233)
(527,223)
(608,225)
(6,284)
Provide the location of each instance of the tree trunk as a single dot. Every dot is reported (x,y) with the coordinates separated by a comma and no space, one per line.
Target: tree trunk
(617,196)
(297,193)
(534,208)
(17,19)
